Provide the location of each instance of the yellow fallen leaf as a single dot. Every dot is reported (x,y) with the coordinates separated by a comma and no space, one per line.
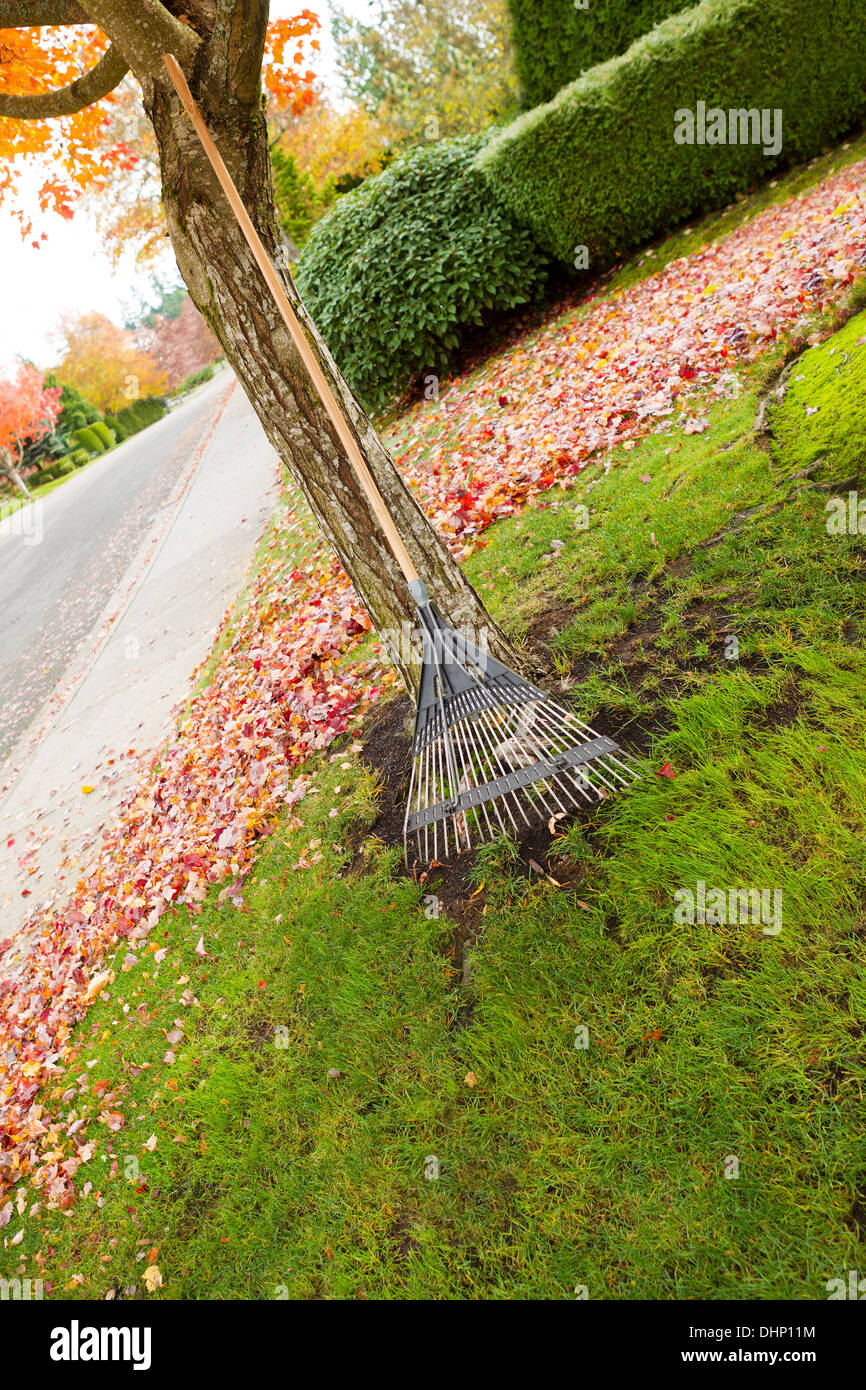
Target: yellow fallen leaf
(471,1079)
(152,1278)
(96,986)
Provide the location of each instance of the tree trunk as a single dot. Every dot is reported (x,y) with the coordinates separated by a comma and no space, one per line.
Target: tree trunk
(8,466)
(225,284)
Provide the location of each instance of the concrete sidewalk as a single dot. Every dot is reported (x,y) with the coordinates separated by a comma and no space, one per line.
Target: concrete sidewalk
(120,690)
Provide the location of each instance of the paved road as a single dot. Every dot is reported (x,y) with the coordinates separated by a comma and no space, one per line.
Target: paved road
(53,592)
(103,621)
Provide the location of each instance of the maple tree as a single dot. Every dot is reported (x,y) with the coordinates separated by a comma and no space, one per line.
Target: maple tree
(182,344)
(28,410)
(221,46)
(73,154)
(328,143)
(106,365)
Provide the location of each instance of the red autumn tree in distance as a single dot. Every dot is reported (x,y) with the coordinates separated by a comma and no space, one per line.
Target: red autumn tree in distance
(28,410)
(182,345)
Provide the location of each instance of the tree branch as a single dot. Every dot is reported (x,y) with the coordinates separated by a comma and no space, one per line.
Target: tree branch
(144,32)
(236,48)
(31,14)
(84,91)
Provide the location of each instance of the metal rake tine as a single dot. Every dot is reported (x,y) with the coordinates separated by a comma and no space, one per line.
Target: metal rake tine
(541,754)
(461,733)
(532,790)
(494,803)
(490,743)
(598,762)
(494,748)
(593,734)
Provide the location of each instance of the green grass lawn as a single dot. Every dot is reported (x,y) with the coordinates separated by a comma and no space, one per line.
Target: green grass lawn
(363,1100)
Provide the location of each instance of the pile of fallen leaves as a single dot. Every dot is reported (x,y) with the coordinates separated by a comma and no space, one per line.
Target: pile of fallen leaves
(603,374)
(621,366)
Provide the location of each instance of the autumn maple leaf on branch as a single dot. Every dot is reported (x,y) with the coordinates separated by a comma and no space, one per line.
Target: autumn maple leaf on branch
(106,148)
(70,149)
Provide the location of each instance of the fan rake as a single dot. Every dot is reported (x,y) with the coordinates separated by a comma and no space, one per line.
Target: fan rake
(491,753)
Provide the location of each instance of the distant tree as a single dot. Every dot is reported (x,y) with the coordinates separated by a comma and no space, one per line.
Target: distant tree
(328,143)
(106,365)
(181,343)
(169,302)
(429,67)
(298,202)
(28,410)
(318,154)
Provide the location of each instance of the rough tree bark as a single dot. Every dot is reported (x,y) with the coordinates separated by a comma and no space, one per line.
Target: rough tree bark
(220,44)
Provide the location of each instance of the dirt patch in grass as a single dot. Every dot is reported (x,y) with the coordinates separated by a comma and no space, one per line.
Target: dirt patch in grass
(856,1218)
(547,623)
(387,754)
(786,709)
(642,650)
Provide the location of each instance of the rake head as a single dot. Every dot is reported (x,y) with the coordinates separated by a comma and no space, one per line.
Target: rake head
(491,754)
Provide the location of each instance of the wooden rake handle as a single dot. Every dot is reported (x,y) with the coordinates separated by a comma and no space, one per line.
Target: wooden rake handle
(344,430)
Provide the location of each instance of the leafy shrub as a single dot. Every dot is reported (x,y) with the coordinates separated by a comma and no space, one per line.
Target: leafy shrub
(101,430)
(61,467)
(48,474)
(297,202)
(89,440)
(150,409)
(45,449)
(75,410)
(599,167)
(137,416)
(194,379)
(555,41)
(398,268)
(123,424)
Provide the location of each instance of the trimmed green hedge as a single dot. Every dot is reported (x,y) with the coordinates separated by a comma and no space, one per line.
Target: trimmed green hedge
(137,416)
(599,166)
(89,440)
(555,41)
(398,268)
(101,430)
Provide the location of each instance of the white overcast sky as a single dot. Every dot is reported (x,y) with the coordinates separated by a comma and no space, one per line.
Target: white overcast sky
(69,273)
